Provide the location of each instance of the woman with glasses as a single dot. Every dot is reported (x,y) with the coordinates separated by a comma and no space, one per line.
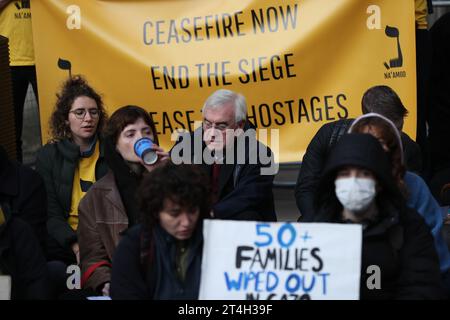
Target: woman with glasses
(110,206)
(160,258)
(70,163)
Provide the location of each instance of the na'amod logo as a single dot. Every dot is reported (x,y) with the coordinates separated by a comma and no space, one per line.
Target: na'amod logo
(394,63)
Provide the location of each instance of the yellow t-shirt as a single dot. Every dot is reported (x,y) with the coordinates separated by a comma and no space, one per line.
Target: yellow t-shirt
(421,14)
(83,179)
(15,24)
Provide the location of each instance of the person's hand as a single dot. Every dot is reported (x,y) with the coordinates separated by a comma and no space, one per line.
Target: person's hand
(76,251)
(105,290)
(162,155)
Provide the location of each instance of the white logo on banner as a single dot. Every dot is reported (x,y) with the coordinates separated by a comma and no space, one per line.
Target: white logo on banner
(74,19)
(74,280)
(374,20)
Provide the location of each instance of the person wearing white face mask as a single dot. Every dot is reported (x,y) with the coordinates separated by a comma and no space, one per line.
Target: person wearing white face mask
(355,190)
(357,187)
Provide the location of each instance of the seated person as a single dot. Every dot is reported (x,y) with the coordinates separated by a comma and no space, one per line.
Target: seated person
(358,187)
(70,163)
(240,180)
(109,207)
(23,189)
(414,189)
(161,257)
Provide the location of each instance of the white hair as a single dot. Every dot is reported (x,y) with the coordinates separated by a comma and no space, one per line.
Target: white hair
(221,97)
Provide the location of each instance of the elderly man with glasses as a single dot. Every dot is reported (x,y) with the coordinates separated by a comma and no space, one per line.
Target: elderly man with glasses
(233,159)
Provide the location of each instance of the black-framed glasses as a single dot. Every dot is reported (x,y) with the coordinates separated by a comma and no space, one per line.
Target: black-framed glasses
(81,113)
(221,127)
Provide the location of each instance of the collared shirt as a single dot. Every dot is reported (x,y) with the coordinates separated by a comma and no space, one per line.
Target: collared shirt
(90,150)
(181,257)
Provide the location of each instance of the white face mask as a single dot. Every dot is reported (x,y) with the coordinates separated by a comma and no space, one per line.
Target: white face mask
(355,194)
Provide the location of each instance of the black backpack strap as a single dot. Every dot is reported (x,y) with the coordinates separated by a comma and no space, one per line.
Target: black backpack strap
(339,130)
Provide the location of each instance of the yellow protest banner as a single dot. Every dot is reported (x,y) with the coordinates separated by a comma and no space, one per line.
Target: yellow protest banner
(300,64)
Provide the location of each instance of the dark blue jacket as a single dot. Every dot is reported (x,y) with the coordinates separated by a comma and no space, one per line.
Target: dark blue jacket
(420,199)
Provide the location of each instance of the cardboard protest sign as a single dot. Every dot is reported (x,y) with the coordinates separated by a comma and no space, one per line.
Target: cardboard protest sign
(288,261)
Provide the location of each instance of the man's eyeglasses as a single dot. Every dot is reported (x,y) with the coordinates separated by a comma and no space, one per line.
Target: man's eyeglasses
(221,127)
(81,113)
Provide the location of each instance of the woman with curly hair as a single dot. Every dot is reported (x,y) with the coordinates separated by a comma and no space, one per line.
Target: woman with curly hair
(161,258)
(71,162)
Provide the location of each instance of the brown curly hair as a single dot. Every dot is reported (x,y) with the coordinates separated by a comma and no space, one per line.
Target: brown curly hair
(184,184)
(72,88)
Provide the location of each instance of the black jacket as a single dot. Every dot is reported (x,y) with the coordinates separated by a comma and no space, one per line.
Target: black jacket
(56,163)
(24,191)
(135,278)
(22,258)
(244,193)
(317,152)
(439,107)
(398,241)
